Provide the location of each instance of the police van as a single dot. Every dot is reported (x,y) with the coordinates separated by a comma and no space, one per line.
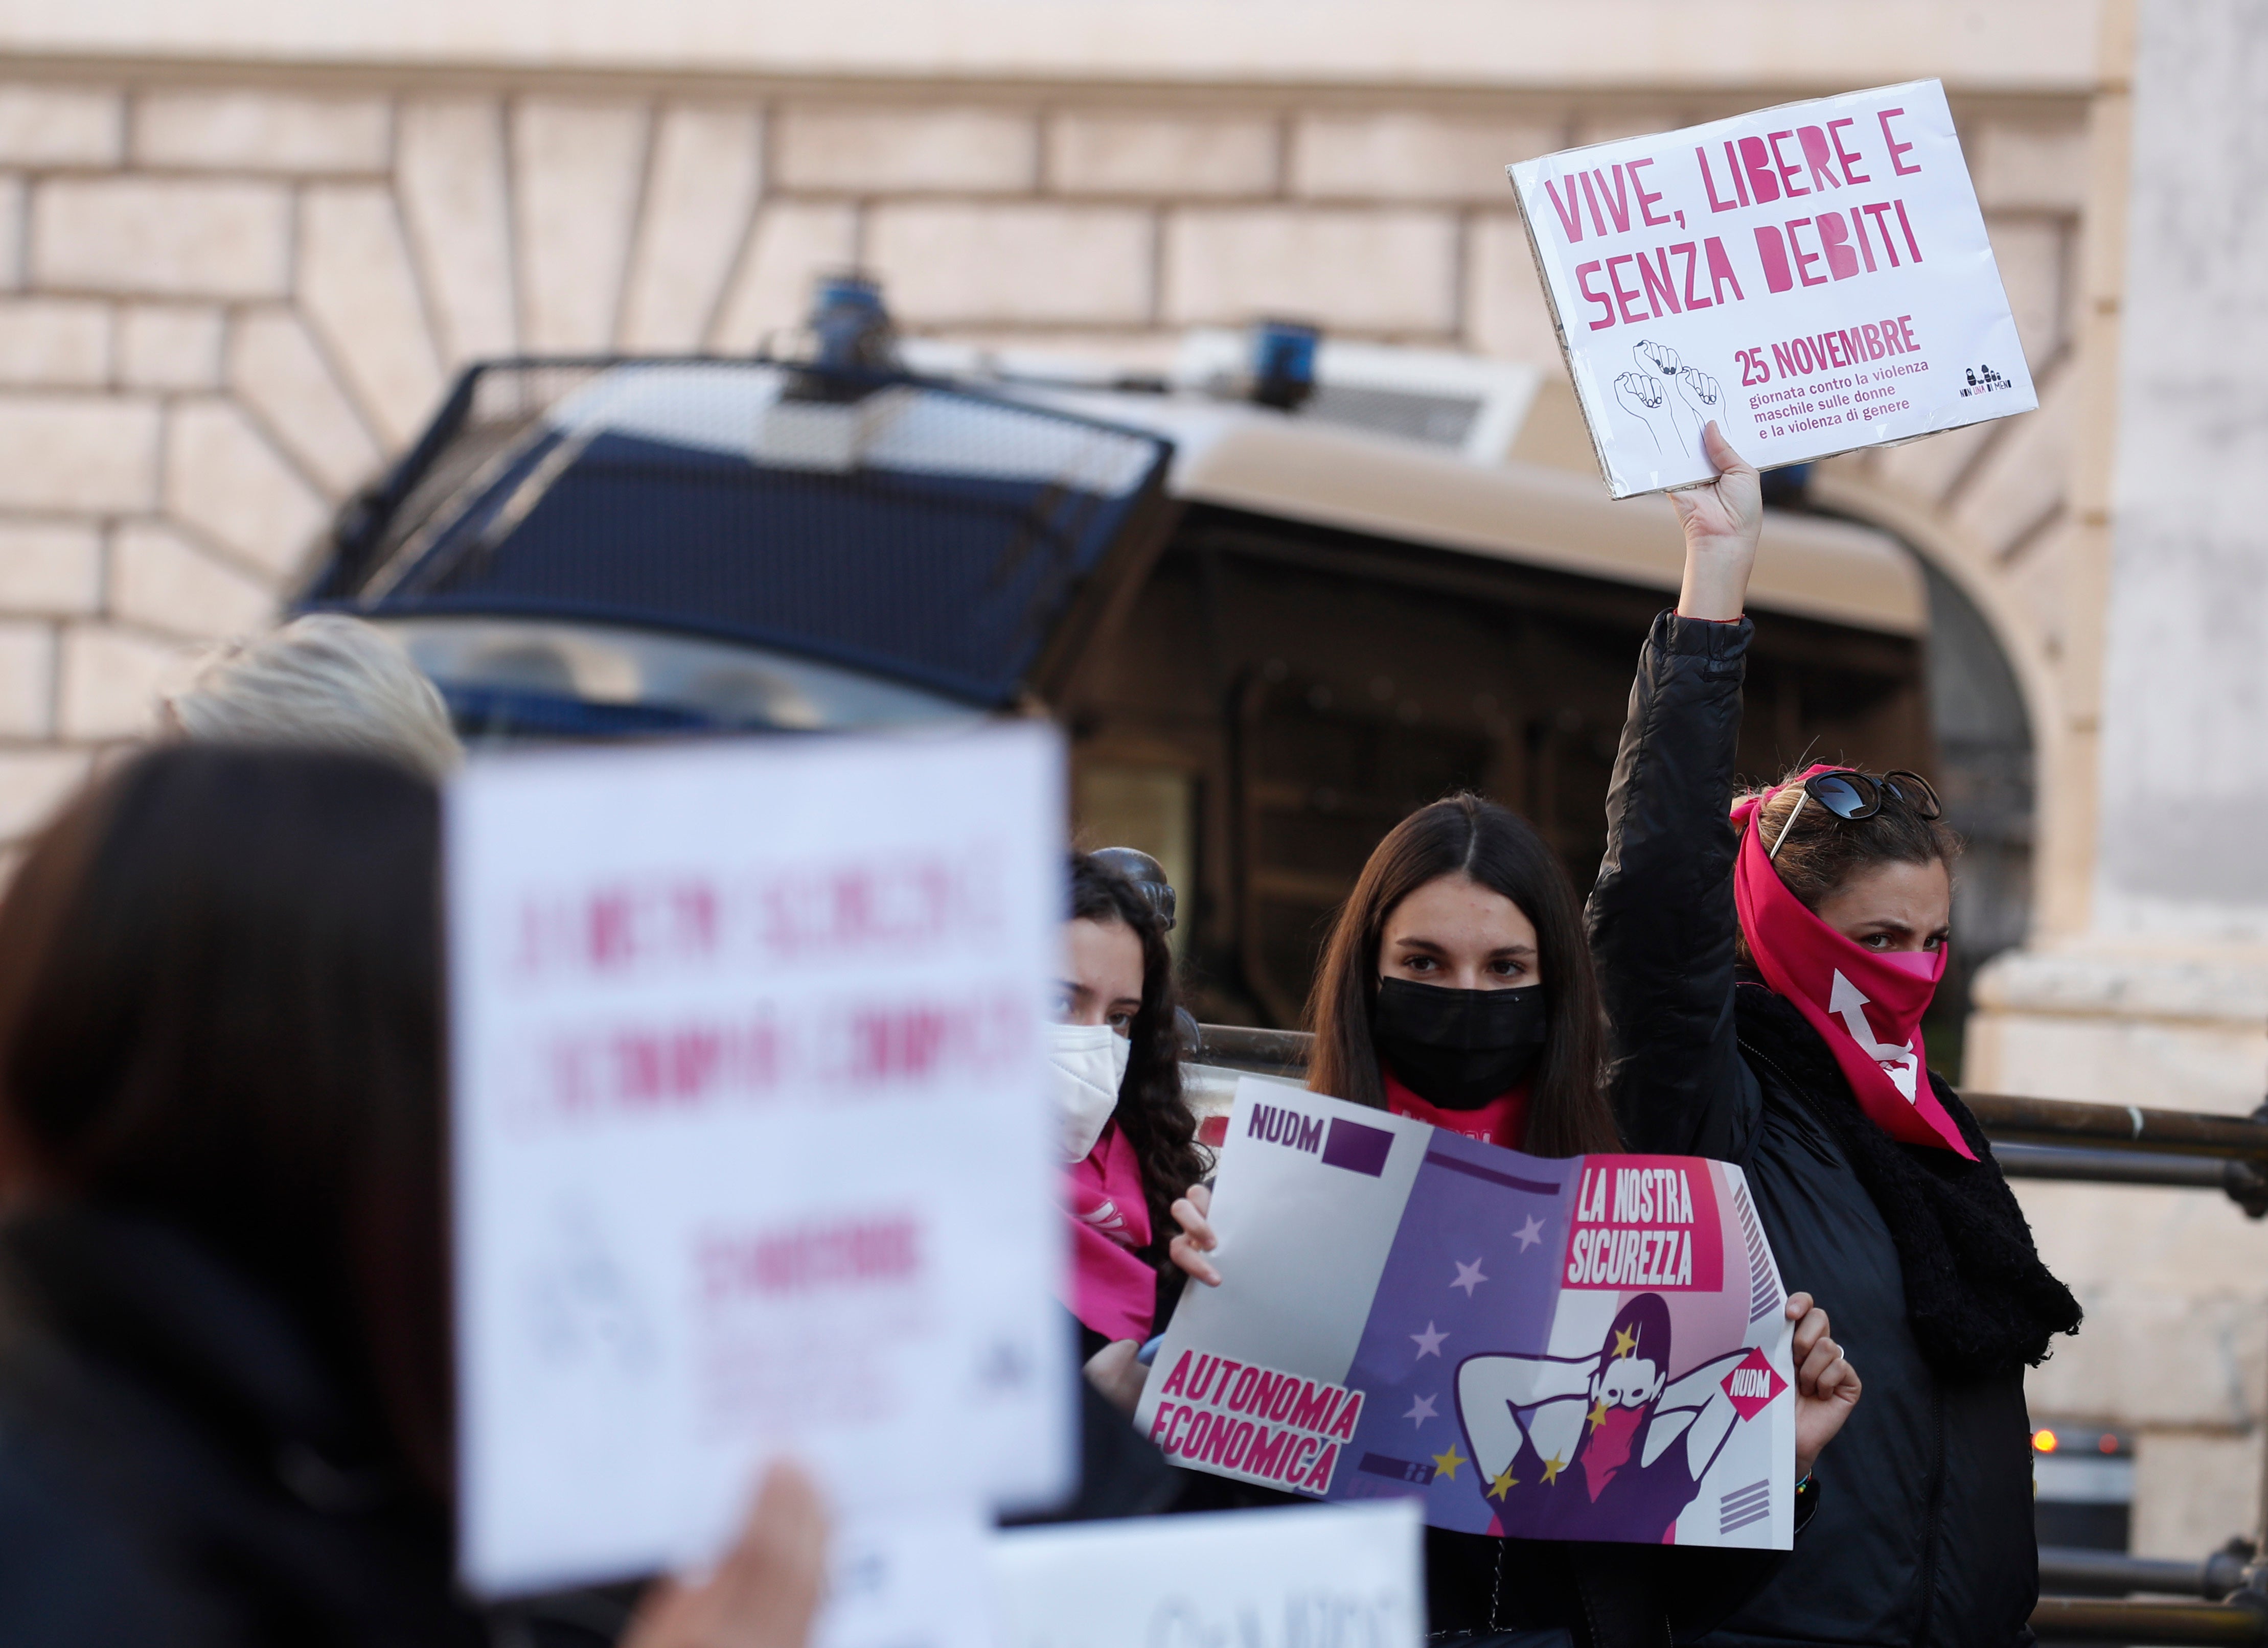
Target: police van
(1277,596)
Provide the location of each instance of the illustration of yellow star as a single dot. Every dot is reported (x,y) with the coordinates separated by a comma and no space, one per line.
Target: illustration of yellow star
(1552,1466)
(1598,1415)
(1446,1463)
(1625,1340)
(1503,1483)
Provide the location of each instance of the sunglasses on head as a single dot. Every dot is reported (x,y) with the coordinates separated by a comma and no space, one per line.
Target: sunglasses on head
(1850,795)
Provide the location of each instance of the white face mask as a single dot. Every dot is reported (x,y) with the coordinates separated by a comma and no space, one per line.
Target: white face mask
(1086,1065)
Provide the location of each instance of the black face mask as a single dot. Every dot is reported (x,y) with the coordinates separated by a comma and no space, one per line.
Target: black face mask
(1459,1048)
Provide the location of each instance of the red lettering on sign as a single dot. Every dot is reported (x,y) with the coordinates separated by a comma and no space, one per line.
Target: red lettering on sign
(1571,214)
(1848,159)
(1817,156)
(1858,228)
(1908,228)
(1693,299)
(1592,201)
(806,1258)
(1623,298)
(1740,174)
(1645,197)
(1835,241)
(1659,291)
(1709,183)
(1583,272)
(1786,168)
(1878,211)
(1755,165)
(1897,148)
(1803,260)
(1721,270)
(1772,253)
(1618,205)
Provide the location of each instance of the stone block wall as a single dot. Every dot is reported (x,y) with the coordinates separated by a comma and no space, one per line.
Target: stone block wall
(224,305)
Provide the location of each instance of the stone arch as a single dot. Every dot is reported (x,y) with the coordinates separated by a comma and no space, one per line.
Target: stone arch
(2003,868)
(1941,544)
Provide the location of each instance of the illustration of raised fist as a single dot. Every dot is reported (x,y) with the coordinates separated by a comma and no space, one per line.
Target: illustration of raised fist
(1702,392)
(1657,359)
(1641,393)
(1646,397)
(1695,404)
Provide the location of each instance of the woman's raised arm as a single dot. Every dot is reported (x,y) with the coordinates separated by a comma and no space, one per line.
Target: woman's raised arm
(1661,917)
(1722,522)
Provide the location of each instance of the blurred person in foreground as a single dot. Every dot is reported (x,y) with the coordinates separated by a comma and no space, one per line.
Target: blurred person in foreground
(225,1383)
(324,681)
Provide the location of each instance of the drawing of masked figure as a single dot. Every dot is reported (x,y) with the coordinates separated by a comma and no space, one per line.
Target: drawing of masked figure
(1596,1447)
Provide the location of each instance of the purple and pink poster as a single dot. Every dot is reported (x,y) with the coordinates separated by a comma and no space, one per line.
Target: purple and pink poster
(1591,1348)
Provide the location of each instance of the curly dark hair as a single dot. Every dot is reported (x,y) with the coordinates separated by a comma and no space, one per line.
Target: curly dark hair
(1468,835)
(1152,1113)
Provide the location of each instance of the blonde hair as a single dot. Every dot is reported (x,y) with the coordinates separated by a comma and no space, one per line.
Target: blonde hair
(323,681)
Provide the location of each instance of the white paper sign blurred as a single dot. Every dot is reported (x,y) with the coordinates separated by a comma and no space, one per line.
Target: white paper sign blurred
(751,1143)
(1325,1577)
(903,1578)
(1814,277)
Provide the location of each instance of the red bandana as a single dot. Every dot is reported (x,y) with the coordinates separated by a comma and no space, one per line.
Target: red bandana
(1502,1121)
(1114,1289)
(1612,1432)
(1845,991)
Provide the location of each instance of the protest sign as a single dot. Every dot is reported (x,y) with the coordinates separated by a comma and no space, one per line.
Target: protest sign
(1814,277)
(1335,1577)
(907,1578)
(1587,1348)
(751,1146)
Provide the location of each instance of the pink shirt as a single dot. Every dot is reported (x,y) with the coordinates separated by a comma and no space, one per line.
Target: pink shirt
(1114,1291)
(1502,1121)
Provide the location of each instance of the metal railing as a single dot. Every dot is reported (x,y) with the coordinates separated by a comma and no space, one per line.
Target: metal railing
(2172,1624)
(2223,1599)
(2033,1138)
(2080,1572)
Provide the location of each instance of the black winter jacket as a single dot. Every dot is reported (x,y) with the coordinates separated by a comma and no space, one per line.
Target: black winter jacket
(1924,1534)
(179,1470)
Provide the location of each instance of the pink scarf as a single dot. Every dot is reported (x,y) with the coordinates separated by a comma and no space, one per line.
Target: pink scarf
(1866,1004)
(1113,1291)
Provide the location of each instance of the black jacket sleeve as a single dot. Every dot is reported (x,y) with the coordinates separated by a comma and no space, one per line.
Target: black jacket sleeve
(1661,919)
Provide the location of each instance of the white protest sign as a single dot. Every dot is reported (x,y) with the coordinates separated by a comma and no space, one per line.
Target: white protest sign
(908,1578)
(1815,277)
(752,1152)
(1323,1577)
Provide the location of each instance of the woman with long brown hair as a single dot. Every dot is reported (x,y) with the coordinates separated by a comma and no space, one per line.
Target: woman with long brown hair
(225,1413)
(1456,988)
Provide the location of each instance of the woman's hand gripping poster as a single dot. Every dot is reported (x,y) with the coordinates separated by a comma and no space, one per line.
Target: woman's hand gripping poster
(1592,1347)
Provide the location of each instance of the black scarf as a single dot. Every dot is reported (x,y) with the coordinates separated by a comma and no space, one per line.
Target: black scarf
(1977,1297)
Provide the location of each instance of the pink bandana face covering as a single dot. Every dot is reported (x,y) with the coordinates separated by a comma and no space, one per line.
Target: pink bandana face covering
(1867,1004)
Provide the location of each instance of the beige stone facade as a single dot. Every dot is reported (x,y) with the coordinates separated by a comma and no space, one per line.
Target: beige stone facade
(234,296)
(243,247)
